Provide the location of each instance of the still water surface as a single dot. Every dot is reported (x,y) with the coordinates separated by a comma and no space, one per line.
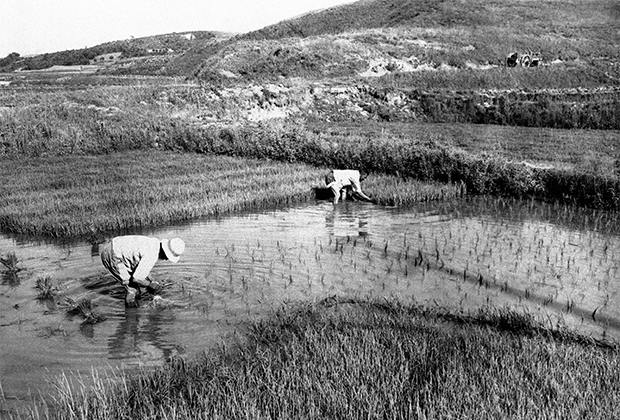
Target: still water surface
(558,263)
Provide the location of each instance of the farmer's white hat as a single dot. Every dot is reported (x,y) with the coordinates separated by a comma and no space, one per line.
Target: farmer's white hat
(173,248)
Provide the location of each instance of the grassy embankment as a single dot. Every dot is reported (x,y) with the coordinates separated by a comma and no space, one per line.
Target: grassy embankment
(105,120)
(344,359)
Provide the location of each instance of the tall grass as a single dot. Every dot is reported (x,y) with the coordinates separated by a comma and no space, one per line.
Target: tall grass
(579,150)
(359,359)
(411,159)
(76,196)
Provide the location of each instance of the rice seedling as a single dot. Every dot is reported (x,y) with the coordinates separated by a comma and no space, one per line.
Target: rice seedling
(10,276)
(161,303)
(83,307)
(10,261)
(47,288)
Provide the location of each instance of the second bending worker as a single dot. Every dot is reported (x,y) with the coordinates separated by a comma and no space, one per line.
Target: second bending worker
(339,180)
(131,258)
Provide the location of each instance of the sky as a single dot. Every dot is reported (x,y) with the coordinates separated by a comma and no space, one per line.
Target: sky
(40,26)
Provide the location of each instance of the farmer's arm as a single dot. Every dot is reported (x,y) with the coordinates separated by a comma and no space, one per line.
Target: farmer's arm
(146,264)
(123,273)
(357,188)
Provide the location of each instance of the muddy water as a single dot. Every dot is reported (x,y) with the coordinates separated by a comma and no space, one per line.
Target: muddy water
(557,263)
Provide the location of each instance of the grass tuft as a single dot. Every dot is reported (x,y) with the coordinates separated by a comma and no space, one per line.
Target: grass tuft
(83,307)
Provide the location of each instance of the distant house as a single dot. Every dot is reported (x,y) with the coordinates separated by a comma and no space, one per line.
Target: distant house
(102,58)
(189,37)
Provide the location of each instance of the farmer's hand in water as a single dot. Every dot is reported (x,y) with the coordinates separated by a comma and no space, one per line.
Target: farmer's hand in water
(130,298)
(154,287)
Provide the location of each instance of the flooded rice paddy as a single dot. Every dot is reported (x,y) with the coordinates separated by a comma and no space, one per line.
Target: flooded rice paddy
(557,263)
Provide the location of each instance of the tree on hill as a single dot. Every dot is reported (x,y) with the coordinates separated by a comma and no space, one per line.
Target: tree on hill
(135,47)
(9,60)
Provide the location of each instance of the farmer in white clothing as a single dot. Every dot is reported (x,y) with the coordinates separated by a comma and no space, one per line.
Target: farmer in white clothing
(339,180)
(131,258)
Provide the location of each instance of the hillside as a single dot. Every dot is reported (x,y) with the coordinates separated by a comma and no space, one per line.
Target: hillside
(391,36)
(590,19)
(165,44)
(365,14)
(395,36)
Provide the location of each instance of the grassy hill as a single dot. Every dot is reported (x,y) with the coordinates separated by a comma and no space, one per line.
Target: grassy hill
(393,36)
(349,39)
(590,19)
(404,61)
(173,43)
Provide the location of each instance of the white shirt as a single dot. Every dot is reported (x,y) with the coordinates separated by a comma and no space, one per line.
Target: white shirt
(134,256)
(345,178)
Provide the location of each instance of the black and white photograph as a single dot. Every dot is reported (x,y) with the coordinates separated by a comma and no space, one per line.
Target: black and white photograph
(322,209)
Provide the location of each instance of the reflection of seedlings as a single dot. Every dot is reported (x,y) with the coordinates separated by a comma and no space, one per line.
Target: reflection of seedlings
(83,307)
(46,287)
(49,332)
(10,276)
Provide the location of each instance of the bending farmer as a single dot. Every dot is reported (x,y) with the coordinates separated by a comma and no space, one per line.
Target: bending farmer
(131,258)
(341,180)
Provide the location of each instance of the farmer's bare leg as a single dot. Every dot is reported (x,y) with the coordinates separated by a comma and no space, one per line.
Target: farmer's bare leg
(336,194)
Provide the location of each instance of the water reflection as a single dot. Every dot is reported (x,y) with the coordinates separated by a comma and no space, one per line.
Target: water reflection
(140,336)
(10,278)
(94,249)
(347,221)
